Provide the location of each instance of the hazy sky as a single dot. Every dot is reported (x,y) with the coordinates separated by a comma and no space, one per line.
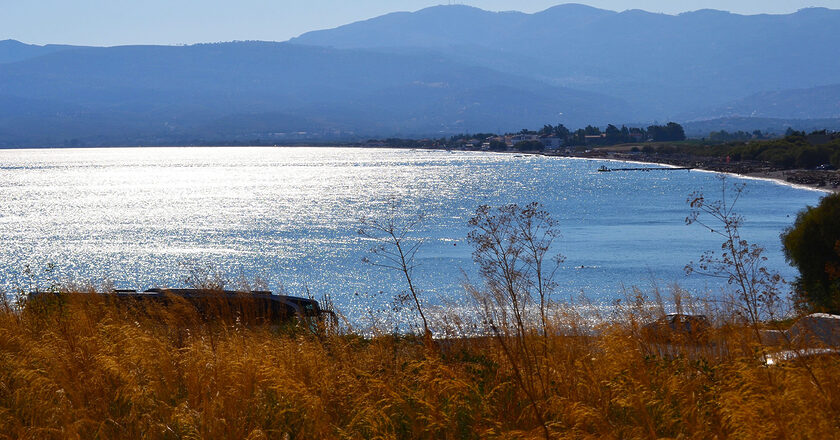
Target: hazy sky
(116,22)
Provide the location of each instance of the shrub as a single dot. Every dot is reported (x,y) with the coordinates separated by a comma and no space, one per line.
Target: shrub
(811,245)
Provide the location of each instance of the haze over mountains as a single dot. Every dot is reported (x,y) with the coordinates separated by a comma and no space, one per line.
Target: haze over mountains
(438,71)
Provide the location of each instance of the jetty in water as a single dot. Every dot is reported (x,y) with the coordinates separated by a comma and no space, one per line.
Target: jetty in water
(604,169)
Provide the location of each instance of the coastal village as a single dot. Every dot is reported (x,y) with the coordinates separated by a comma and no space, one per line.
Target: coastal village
(645,149)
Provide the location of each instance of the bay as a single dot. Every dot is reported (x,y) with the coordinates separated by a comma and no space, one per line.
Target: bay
(145,217)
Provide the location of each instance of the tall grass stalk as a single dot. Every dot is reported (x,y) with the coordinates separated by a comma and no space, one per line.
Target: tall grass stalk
(90,368)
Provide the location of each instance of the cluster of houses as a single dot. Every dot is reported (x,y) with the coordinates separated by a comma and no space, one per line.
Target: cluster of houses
(549,143)
(552,143)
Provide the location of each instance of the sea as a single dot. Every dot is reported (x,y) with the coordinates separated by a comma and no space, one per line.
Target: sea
(288,219)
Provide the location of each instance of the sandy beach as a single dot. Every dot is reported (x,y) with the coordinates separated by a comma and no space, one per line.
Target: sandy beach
(804,178)
(823,180)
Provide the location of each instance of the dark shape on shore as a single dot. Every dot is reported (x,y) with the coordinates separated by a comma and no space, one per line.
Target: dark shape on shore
(248,307)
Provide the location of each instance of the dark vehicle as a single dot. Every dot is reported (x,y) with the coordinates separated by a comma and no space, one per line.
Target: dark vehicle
(673,326)
(248,307)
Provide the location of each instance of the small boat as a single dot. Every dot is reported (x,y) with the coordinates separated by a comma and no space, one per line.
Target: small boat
(604,169)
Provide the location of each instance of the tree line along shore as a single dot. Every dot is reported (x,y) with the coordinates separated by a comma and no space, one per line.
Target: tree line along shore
(807,159)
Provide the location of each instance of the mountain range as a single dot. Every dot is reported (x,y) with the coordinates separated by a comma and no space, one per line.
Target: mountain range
(434,72)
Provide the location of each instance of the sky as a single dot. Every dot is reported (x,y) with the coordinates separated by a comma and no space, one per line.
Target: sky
(119,22)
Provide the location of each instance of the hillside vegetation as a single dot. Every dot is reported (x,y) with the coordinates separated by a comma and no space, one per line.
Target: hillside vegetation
(796,150)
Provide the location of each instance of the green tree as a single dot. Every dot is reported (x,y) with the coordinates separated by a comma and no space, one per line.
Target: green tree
(670,132)
(675,131)
(625,133)
(613,134)
(561,131)
(811,245)
(547,130)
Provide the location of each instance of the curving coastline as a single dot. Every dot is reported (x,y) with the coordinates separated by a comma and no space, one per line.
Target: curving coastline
(816,180)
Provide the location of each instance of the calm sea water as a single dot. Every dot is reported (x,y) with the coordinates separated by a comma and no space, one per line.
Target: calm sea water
(145,217)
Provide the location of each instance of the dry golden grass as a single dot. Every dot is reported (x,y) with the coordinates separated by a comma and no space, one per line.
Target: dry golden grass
(89,369)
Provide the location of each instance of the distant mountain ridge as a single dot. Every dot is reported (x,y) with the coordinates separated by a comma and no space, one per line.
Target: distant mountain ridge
(12,51)
(439,26)
(434,72)
(665,65)
(255,90)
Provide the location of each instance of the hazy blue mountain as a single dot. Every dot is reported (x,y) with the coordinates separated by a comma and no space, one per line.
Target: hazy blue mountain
(810,103)
(445,26)
(231,91)
(438,71)
(12,50)
(665,65)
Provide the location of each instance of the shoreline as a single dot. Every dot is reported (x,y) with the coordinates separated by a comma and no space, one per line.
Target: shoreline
(780,177)
(813,180)
(777,176)
(801,178)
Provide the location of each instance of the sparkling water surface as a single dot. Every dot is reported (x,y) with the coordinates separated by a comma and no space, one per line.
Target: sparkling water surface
(145,217)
